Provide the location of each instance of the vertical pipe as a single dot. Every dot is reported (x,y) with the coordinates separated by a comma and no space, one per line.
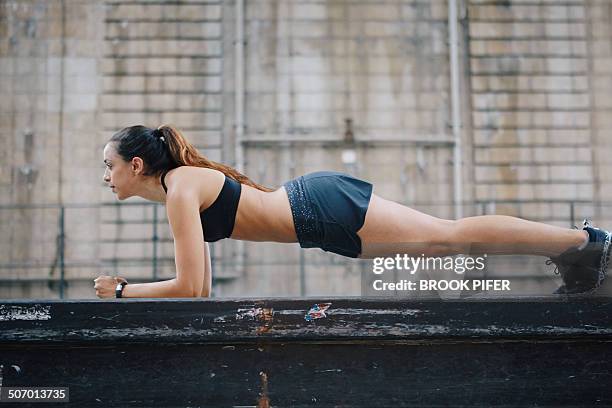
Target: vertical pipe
(456,114)
(60,160)
(239,86)
(239,112)
(62,246)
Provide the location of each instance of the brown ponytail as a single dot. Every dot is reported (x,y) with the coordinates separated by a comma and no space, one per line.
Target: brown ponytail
(185,154)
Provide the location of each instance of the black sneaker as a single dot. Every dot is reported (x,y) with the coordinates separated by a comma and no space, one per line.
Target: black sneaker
(584,270)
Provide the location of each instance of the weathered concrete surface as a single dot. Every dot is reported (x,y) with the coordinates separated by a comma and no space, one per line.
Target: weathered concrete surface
(312,352)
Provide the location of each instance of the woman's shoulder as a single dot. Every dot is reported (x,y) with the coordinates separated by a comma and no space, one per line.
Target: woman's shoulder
(191,171)
(193,178)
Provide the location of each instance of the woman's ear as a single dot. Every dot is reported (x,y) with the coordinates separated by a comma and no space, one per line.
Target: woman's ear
(137,165)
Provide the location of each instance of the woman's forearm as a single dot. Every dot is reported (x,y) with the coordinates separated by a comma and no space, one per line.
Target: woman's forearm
(207,286)
(162,289)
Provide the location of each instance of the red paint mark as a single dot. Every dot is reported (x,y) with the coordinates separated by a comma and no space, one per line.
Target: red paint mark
(261,314)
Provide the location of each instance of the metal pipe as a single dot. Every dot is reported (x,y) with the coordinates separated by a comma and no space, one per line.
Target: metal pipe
(62,250)
(87,205)
(428,140)
(456,114)
(239,113)
(62,96)
(239,87)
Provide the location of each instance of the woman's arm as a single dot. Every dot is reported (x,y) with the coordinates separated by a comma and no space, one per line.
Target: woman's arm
(169,288)
(182,206)
(105,286)
(207,286)
(163,289)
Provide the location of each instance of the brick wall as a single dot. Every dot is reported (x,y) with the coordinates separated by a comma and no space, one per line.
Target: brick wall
(50,84)
(600,67)
(531,106)
(535,79)
(384,65)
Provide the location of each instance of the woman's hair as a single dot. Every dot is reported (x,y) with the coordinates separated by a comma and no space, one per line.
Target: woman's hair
(165,148)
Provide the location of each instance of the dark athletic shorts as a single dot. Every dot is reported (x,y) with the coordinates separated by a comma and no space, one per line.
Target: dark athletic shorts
(328,209)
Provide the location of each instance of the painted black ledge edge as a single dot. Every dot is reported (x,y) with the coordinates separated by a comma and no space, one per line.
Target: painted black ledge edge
(331,319)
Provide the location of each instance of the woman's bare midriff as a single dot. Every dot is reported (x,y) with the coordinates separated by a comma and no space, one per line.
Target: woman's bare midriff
(261,215)
(264,216)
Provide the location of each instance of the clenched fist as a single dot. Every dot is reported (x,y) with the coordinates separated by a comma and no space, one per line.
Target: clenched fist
(105,285)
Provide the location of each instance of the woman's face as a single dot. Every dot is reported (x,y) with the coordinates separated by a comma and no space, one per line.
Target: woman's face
(118,173)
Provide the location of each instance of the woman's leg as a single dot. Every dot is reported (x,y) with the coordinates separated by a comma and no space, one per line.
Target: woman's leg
(392,228)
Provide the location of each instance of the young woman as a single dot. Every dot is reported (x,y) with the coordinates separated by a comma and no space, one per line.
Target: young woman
(207,201)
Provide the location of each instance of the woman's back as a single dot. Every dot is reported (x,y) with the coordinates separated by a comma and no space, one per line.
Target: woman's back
(260,216)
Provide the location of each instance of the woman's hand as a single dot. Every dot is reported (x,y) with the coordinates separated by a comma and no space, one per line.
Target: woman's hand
(105,285)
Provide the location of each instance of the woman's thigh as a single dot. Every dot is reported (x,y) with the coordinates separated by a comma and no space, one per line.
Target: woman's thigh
(391,228)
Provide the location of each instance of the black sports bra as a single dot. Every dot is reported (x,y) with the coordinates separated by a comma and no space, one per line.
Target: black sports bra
(218,219)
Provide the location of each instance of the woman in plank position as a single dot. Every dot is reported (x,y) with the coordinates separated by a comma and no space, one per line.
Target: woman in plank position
(207,201)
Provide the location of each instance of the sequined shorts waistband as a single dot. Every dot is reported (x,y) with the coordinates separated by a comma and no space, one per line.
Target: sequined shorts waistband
(304,217)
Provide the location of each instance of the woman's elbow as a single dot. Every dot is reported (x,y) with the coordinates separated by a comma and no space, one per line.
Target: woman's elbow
(201,291)
(187,291)
(195,291)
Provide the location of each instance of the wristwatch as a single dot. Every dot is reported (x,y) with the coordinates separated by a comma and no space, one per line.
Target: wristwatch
(119,289)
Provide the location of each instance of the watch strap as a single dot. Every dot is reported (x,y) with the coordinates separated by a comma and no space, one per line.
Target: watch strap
(119,289)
